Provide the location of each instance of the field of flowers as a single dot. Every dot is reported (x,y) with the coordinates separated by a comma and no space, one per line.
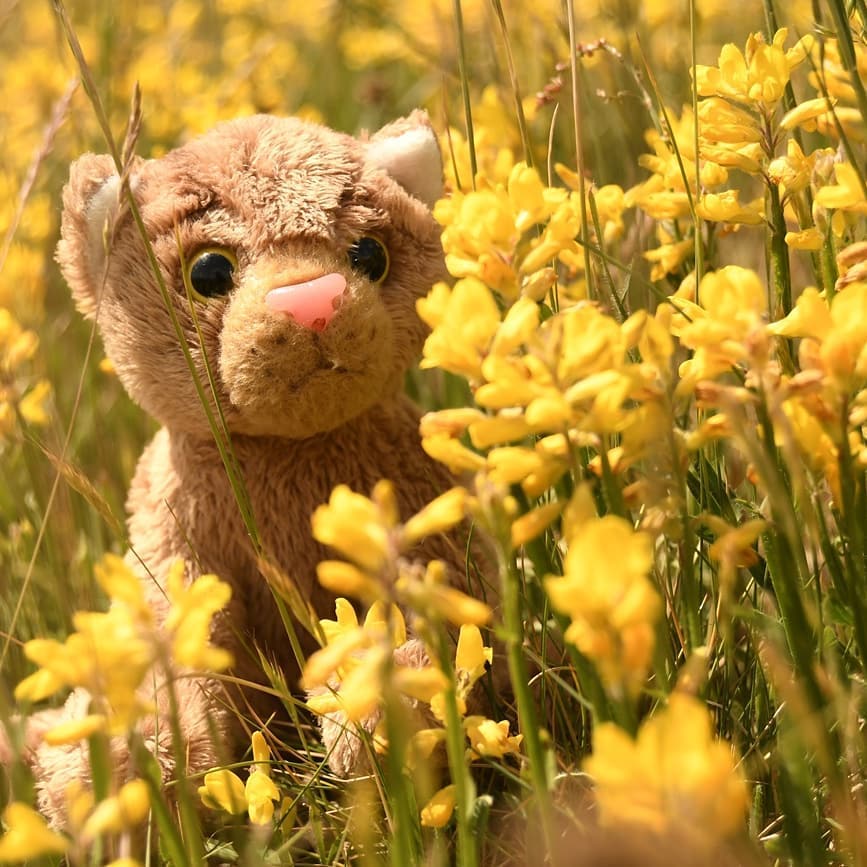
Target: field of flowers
(650,368)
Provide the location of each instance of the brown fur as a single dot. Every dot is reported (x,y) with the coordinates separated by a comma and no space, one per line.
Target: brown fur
(307,410)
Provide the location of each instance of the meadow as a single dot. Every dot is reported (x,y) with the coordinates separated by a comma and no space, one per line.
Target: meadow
(649,368)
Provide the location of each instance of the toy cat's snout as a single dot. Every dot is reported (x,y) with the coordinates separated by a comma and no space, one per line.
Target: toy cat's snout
(311,303)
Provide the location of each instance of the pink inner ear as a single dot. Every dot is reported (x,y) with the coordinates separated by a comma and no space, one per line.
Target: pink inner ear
(311,303)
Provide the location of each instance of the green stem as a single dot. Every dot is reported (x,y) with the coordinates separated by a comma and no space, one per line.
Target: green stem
(465,795)
(781,273)
(579,145)
(403,852)
(699,248)
(520,677)
(847,55)
(465,89)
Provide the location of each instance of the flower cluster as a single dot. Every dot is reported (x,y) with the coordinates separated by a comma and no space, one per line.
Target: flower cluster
(110,653)
(20,395)
(361,662)
(224,790)
(674,776)
(28,836)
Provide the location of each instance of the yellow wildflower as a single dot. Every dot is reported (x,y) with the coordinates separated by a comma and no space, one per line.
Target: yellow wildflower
(723,122)
(458,458)
(463,322)
(189,619)
(433,597)
(841,331)
(75,730)
(847,194)
(28,836)
(346,674)
(260,792)
(534,522)
(17,345)
(610,601)
(794,170)
(489,738)
(808,239)
(438,810)
(733,304)
(424,742)
(437,516)
(356,526)
(759,75)
(725,208)
(669,257)
(674,776)
(33,406)
(805,113)
(125,810)
(223,790)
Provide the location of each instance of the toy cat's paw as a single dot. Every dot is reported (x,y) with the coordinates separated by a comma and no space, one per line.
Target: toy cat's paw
(349,745)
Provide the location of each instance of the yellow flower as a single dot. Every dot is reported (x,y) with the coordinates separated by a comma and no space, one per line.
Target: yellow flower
(223,790)
(668,257)
(674,776)
(841,332)
(346,674)
(610,601)
(28,836)
(433,597)
(810,317)
(722,122)
(260,792)
(805,113)
(808,239)
(489,738)
(847,194)
(534,522)
(733,547)
(33,405)
(458,458)
(189,619)
(17,345)
(531,201)
(733,304)
(759,75)
(424,742)
(725,208)
(125,810)
(794,170)
(464,321)
(472,660)
(75,729)
(356,526)
(438,810)
(437,516)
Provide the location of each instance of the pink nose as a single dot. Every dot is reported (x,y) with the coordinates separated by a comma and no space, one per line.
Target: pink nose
(311,303)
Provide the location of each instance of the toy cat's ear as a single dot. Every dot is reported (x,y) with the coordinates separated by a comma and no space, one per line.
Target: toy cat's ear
(91,203)
(408,150)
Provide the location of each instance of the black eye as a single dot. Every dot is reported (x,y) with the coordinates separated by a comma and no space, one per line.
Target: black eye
(210,273)
(369,256)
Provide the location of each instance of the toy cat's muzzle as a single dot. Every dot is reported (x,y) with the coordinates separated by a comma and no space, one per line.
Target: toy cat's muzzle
(311,303)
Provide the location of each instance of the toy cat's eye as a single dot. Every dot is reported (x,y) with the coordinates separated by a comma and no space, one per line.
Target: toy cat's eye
(369,256)
(211,272)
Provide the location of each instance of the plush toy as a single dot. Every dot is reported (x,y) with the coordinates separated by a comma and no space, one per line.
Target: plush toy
(306,251)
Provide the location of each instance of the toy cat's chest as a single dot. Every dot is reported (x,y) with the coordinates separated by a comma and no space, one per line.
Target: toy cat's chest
(182,503)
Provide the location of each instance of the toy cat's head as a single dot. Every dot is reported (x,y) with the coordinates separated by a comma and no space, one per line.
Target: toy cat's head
(303,250)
